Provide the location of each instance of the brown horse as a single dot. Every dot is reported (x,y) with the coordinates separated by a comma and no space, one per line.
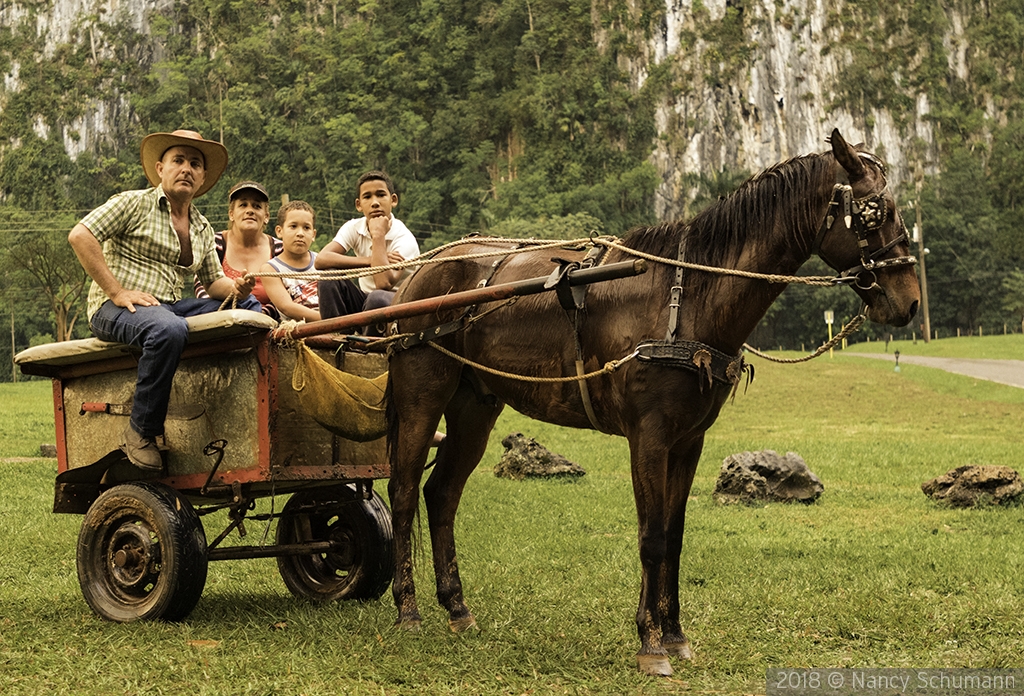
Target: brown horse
(663,406)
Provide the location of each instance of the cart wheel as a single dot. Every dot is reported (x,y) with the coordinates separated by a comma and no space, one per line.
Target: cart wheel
(142,554)
(362,565)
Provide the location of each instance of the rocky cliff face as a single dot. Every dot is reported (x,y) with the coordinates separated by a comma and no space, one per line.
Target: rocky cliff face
(740,101)
(81,23)
(777,103)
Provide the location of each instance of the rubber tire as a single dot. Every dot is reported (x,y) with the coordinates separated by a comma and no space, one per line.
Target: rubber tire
(162,549)
(362,570)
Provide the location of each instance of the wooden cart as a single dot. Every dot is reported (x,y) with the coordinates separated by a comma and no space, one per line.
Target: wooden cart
(235,432)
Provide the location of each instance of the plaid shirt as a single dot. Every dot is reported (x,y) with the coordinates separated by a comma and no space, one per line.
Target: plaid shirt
(142,249)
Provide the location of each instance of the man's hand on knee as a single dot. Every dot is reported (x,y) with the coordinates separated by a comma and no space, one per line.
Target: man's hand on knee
(129,298)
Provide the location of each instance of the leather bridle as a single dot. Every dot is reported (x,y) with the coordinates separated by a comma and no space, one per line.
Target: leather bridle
(863,217)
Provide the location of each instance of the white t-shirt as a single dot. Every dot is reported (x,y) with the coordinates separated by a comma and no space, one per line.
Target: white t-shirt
(354,236)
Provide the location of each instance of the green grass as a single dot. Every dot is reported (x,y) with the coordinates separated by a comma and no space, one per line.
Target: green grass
(999,347)
(873,574)
(27,420)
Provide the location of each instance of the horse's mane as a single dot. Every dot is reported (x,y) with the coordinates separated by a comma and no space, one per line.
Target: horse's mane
(778,198)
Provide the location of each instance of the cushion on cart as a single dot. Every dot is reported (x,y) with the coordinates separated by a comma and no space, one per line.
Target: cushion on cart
(202,327)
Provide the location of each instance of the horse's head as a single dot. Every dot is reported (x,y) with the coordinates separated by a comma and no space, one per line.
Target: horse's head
(863,237)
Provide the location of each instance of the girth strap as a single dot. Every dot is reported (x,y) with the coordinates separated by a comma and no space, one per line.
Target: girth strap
(572,300)
(697,357)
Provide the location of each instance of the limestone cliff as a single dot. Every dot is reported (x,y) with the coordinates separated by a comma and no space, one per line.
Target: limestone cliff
(752,82)
(779,100)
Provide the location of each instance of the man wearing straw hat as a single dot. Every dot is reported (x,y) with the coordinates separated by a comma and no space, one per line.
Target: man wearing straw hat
(140,247)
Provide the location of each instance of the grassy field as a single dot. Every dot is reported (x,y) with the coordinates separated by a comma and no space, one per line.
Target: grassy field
(1010,347)
(27,420)
(873,574)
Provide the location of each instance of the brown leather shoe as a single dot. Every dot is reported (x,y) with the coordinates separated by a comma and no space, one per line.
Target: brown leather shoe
(142,451)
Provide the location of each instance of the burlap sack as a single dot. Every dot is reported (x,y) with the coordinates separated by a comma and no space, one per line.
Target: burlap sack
(349,406)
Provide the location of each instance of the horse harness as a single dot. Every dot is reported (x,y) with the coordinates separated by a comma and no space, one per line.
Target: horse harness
(861,216)
(573,301)
(458,324)
(709,363)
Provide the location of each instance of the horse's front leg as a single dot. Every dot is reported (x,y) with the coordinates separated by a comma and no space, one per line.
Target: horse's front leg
(649,470)
(403,490)
(469,420)
(682,466)
(415,404)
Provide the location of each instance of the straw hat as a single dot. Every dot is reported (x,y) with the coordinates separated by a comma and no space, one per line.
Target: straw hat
(155,145)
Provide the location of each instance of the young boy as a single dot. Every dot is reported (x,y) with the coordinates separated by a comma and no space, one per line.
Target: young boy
(295,298)
(376,239)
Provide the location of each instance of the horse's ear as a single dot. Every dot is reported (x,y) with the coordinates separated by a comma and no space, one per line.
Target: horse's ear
(847,156)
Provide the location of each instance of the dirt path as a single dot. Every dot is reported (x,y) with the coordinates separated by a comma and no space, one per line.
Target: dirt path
(1009,372)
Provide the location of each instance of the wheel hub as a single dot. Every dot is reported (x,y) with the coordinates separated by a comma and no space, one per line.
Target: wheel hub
(343,555)
(133,555)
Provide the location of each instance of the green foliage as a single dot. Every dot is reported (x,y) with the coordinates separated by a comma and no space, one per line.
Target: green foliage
(42,285)
(468,105)
(970,253)
(481,111)
(1013,301)
(510,115)
(574,226)
(712,186)
(40,256)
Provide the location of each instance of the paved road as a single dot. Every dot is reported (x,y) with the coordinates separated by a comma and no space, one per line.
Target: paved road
(1003,371)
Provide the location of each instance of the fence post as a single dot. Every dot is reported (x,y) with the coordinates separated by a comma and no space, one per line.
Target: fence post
(14,367)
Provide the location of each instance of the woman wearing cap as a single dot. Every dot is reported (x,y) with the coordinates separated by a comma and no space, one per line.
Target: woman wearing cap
(244,246)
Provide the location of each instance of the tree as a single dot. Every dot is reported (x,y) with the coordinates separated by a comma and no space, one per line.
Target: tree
(1013,301)
(35,256)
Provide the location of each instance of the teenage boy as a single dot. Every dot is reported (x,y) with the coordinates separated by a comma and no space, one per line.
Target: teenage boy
(139,248)
(376,239)
(295,298)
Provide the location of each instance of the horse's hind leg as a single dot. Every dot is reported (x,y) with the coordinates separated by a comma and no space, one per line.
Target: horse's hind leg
(418,391)
(469,419)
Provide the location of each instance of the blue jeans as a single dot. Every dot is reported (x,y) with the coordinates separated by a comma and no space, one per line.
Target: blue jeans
(162,333)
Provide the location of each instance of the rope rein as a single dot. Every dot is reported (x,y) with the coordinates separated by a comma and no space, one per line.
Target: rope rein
(526,245)
(848,330)
(609,367)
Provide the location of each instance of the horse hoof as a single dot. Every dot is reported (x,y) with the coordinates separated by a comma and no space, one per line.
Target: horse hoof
(681,650)
(409,625)
(466,623)
(654,665)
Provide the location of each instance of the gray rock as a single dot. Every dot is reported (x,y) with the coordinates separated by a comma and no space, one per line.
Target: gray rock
(46,450)
(525,458)
(972,485)
(748,477)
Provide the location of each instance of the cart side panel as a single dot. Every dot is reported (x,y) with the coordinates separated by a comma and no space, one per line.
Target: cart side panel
(301,449)
(213,397)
